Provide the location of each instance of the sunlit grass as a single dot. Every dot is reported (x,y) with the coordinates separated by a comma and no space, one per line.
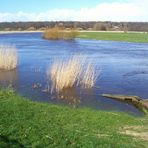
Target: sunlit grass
(114,36)
(24,123)
(8,57)
(74,72)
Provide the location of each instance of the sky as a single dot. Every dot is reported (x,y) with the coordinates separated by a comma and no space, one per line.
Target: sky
(74,10)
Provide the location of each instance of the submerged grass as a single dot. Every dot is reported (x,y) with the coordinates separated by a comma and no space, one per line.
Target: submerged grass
(24,123)
(71,73)
(8,57)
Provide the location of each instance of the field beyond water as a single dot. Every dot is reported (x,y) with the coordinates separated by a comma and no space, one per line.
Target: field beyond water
(24,123)
(140,37)
(116,36)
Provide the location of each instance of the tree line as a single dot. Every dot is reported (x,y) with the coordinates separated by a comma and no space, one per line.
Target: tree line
(102,26)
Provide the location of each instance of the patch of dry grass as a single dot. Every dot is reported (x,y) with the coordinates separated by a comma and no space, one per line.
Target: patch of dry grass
(8,57)
(75,71)
(140,132)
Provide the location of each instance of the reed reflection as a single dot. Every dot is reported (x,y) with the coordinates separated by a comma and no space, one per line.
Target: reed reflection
(8,78)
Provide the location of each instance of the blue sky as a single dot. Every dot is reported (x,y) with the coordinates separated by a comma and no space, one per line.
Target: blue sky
(73,10)
(40,5)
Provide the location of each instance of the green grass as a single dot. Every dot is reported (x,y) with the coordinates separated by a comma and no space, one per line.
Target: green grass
(24,123)
(129,37)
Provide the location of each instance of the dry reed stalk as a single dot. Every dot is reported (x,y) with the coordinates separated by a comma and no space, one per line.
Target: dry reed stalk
(8,57)
(89,76)
(71,73)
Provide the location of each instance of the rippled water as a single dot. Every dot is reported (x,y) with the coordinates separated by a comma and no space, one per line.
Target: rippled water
(124,70)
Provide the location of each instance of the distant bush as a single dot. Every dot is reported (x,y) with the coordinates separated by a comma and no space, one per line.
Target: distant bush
(100,26)
(8,57)
(56,34)
(31,29)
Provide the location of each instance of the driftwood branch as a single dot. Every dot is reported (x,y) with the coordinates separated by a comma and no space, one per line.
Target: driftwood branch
(136,101)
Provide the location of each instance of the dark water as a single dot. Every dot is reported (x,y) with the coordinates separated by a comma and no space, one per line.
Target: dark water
(124,70)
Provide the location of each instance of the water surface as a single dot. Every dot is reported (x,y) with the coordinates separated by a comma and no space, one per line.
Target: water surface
(124,70)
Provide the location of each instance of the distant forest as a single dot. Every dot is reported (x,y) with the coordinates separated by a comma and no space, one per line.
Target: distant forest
(102,26)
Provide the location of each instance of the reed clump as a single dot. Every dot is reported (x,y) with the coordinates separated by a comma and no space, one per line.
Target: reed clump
(8,57)
(57,33)
(74,72)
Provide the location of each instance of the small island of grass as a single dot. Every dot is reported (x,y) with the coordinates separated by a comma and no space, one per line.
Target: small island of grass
(57,34)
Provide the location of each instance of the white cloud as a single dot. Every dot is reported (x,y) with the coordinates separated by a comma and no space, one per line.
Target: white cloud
(131,10)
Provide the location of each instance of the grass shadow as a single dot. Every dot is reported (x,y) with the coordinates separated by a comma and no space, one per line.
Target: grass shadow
(5,141)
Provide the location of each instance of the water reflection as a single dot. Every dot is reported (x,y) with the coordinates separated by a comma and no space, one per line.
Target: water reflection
(75,96)
(69,95)
(8,78)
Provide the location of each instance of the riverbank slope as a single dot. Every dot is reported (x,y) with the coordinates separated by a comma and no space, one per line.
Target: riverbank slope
(24,123)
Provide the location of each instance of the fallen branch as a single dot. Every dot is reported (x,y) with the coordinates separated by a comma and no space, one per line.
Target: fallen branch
(136,101)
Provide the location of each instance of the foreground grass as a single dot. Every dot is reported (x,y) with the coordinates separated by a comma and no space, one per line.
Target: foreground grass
(129,37)
(30,124)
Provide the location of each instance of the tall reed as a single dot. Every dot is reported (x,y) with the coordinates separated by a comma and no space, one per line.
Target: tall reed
(89,76)
(75,71)
(8,57)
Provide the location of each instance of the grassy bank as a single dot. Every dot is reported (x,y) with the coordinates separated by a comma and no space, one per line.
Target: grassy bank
(114,36)
(30,124)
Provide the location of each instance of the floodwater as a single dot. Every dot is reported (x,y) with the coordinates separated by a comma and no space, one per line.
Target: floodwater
(123,66)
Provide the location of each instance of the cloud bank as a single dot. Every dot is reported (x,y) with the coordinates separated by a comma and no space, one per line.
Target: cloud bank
(131,10)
